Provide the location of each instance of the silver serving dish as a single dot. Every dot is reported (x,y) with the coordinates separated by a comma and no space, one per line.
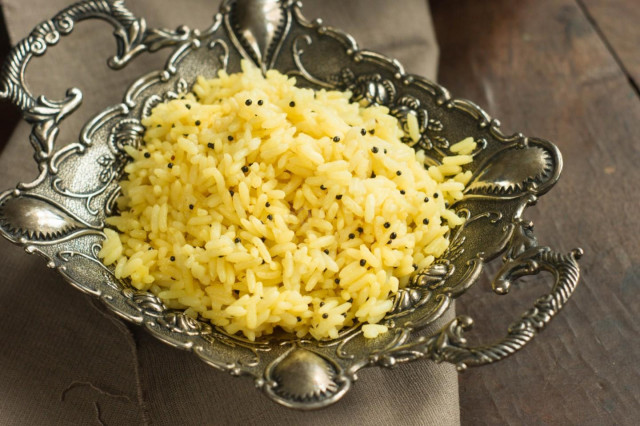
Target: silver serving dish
(60,215)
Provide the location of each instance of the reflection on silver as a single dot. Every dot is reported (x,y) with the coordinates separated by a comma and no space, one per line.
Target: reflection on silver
(60,214)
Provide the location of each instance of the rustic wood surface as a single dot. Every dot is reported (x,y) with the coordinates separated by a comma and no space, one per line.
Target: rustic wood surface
(564,70)
(618,25)
(568,71)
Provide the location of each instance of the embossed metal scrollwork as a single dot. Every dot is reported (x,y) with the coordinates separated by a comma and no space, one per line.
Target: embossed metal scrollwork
(44,114)
(60,215)
(451,346)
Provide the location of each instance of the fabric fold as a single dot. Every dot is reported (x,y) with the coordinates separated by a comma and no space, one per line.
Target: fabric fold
(63,361)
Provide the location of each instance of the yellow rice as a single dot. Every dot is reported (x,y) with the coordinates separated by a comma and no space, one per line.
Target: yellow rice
(256,204)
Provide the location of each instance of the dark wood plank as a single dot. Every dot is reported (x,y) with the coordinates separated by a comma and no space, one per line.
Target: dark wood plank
(618,24)
(542,68)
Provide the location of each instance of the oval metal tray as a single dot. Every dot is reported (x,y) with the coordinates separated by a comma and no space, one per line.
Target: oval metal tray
(60,215)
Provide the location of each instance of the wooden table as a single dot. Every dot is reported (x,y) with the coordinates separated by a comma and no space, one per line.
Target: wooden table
(568,71)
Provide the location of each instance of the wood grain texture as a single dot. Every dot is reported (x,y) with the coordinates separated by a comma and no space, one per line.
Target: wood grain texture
(617,22)
(542,68)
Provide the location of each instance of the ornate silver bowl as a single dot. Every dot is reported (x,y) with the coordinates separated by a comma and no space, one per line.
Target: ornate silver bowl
(60,215)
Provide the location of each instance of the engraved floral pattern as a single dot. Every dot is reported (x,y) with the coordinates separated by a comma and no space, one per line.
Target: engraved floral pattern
(64,226)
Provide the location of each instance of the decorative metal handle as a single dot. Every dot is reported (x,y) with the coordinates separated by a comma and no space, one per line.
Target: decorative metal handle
(131,35)
(449,345)
(53,217)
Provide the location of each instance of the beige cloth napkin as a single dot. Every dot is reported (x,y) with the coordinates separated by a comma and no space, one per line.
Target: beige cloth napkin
(64,360)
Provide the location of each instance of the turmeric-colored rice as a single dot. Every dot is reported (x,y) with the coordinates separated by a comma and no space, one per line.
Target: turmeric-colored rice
(256,204)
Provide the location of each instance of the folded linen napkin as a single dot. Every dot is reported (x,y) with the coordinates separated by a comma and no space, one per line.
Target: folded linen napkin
(66,360)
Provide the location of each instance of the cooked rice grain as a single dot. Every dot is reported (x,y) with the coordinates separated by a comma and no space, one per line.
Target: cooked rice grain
(256,204)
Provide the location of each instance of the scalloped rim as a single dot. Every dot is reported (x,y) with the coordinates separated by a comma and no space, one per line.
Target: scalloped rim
(197,344)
